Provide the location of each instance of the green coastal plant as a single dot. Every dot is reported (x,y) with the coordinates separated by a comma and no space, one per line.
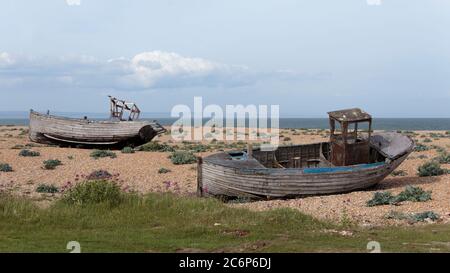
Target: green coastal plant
(163,170)
(413,217)
(411,193)
(430,168)
(51,164)
(94,192)
(182,157)
(17,147)
(195,147)
(380,198)
(26,152)
(5,167)
(420,148)
(399,173)
(128,150)
(102,153)
(44,188)
(99,175)
(443,158)
(155,146)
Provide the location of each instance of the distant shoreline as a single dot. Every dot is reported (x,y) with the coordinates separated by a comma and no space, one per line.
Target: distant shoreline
(423,124)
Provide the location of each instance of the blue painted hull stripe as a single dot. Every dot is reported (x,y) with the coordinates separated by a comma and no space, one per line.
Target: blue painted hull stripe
(343,169)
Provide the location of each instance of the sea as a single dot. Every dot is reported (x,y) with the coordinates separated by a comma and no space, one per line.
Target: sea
(307,123)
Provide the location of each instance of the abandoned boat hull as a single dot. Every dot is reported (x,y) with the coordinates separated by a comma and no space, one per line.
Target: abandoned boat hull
(218,176)
(55,129)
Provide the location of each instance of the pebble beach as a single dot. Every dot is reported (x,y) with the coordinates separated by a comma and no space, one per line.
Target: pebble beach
(140,172)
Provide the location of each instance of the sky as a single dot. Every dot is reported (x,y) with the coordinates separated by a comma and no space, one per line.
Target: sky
(388,57)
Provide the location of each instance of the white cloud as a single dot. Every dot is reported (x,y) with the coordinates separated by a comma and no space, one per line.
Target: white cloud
(374,2)
(155,69)
(5,59)
(170,69)
(144,71)
(73,2)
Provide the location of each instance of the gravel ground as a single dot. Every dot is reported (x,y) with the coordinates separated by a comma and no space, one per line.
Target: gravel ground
(139,172)
(351,207)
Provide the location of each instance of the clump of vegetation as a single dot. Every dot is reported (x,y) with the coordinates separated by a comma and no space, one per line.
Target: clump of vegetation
(155,146)
(103,153)
(70,157)
(443,158)
(436,136)
(94,192)
(30,145)
(421,148)
(346,220)
(427,140)
(422,216)
(399,173)
(5,167)
(26,152)
(99,175)
(236,200)
(287,139)
(20,146)
(413,217)
(44,188)
(17,147)
(430,168)
(163,170)
(51,164)
(127,150)
(380,198)
(411,193)
(439,149)
(182,157)
(395,215)
(23,132)
(196,148)
(410,133)
(422,157)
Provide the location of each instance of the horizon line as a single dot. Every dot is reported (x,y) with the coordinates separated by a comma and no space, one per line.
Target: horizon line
(20,114)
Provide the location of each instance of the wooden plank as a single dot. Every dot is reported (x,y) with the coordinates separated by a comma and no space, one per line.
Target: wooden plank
(223,176)
(61,129)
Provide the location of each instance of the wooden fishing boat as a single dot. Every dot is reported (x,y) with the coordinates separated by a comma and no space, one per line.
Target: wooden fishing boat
(118,130)
(349,161)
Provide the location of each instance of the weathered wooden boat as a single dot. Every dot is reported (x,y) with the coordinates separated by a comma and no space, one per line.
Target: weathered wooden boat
(349,161)
(118,130)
